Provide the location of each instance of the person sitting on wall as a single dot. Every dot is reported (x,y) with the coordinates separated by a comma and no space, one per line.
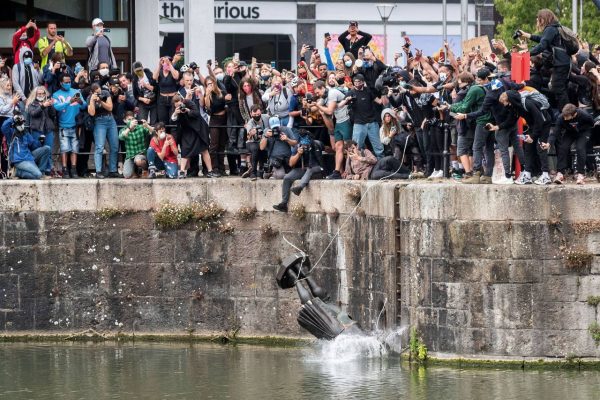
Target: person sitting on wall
(26,154)
(134,135)
(277,141)
(359,163)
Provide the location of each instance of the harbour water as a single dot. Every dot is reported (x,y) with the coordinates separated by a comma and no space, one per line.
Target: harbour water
(212,371)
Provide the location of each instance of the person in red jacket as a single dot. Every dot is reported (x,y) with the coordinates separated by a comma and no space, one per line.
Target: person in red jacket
(27,36)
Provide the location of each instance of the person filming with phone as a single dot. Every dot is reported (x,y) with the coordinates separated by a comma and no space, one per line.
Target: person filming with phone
(54,42)
(99,47)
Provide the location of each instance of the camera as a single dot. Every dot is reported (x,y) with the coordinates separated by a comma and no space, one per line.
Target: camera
(306,148)
(103,96)
(352,99)
(193,65)
(140,121)
(309,98)
(19,124)
(517,34)
(182,108)
(42,139)
(259,132)
(276,131)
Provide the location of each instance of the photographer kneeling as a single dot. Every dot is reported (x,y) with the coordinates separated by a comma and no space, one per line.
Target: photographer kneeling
(26,153)
(278,141)
(306,163)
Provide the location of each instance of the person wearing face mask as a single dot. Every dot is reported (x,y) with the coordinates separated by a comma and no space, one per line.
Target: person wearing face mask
(256,126)
(69,103)
(100,106)
(296,103)
(162,153)
(371,68)
(26,154)
(41,116)
(144,91)
(54,70)
(25,77)
(99,47)
(134,135)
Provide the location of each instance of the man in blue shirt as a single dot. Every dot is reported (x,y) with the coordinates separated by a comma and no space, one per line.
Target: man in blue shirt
(68,102)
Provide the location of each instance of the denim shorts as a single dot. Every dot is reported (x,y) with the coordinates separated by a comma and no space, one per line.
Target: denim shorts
(69,142)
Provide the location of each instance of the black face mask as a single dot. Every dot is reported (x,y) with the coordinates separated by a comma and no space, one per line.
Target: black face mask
(256,118)
(340,81)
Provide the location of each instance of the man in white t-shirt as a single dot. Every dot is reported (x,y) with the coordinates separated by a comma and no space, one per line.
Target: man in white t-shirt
(332,103)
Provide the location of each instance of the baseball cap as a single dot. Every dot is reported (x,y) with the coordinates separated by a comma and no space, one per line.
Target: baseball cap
(97,21)
(358,77)
(274,122)
(137,66)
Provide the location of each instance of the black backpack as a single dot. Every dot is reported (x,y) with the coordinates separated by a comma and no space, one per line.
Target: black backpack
(569,40)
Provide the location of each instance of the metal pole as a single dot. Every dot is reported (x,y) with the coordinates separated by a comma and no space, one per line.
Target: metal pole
(478,21)
(385,39)
(444,21)
(464,19)
(581,15)
(574,17)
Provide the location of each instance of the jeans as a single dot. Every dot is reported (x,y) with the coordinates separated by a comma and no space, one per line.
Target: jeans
(505,139)
(304,174)
(371,130)
(105,128)
(30,169)
(256,155)
(49,141)
(130,166)
(147,110)
(155,161)
(483,138)
(564,148)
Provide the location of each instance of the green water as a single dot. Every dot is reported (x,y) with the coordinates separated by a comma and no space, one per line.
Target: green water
(202,371)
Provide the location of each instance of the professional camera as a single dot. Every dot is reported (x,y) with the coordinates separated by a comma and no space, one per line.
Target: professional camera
(182,107)
(276,131)
(259,132)
(309,98)
(19,124)
(517,34)
(193,65)
(103,96)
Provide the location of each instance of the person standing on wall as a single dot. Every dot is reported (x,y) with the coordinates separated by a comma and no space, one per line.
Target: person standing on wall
(27,36)
(353,43)
(99,47)
(53,43)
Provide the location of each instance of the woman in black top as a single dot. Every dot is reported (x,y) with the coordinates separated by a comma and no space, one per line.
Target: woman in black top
(192,135)
(214,103)
(167,77)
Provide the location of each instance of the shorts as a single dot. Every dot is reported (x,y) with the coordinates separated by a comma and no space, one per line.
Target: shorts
(69,142)
(453,136)
(343,131)
(464,146)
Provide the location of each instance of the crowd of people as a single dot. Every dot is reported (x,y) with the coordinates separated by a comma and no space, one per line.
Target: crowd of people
(437,116)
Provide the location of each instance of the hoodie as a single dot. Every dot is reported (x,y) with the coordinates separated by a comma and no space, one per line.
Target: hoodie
(538,120)
(67,111)
(20,41)
(18,75)
(386,137)
(22,146)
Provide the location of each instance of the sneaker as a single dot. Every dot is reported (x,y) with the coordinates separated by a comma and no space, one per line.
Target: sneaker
(523,179)
(182,175)
(114,175)
(253,177)
(281,207)
(152,173)
(580,179)
(543,180)
(559,178)
(457,174)
(100,175)
(213,174)
(434,174)
(473,180)
(74,174)
(335,175)
(296,190)
(486,180)
(247,173)
(65,174)
(504,181)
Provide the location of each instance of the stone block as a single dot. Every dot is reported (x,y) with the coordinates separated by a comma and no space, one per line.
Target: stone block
(178,192)
(588,286)
(242,280)
(562,343)
(557,288)
(126,194)
(525,271)
(595,269)
(199,247)
(21,238)
(16,259)
(580,203)
(472,239)
(515,342)
(231,194)
(512,306)
(97,246)
(256,316)
(533,240)
(19,195)
(433,239)
(145,246)
(60,195)
(563,315)
(457,296)
(133,279)
(429,202)
(25,221)
(593,243)
(9,292)
(286,318)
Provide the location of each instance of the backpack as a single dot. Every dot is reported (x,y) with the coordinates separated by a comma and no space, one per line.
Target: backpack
(569,40)
(537,97)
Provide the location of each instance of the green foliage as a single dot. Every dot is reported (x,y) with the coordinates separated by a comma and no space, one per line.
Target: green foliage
(246,213)
(594,329)
(593,300)
(108,213)
(298,212)
(521,14)
(418,350)
(577,259)
(172,216)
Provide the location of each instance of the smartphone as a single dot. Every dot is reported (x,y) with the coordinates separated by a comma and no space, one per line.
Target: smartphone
(77,95)
(209,62)
(273,64)
(60,33)
(236,58)
(253,61)
(310,47)
(327,35)
(106,30)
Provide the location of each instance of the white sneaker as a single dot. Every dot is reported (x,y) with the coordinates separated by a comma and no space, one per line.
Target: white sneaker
(433,175)
(504,181)
(440,174)
(523,179)
(543,180)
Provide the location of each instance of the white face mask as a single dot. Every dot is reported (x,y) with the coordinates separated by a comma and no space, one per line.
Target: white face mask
(40,98)
(220,76)
(103,72)
(162,135)
(443,76)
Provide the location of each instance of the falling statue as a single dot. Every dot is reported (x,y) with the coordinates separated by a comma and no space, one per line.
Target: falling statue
(323,320)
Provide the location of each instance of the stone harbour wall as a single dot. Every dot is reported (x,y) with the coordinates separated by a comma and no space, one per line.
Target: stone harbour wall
(481,270)
(63,267)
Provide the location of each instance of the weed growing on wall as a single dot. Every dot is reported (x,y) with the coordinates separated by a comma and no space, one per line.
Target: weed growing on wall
(593,300)
(298,211)
(267,231)
(172,216)
(354,194)
(594,329)
(577,259)
(108,213)
(246,213)
(418,350)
